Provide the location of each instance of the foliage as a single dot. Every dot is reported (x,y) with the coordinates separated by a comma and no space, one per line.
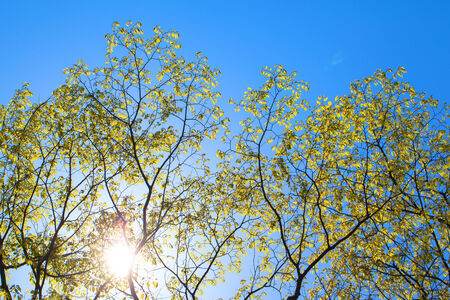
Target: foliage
(343,199)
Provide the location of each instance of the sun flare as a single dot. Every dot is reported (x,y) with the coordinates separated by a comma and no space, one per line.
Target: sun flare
(119,259)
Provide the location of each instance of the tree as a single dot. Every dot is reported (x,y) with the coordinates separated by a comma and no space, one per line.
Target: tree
(355,197)
(349,201)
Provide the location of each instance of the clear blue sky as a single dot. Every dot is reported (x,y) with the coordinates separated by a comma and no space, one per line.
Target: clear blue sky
(329,43)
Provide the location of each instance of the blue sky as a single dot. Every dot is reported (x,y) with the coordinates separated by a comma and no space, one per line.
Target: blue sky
(329,43)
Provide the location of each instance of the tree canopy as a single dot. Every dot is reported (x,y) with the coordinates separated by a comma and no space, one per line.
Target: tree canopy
(131,181)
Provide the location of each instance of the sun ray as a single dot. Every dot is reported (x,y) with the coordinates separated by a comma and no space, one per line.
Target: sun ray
(119,259)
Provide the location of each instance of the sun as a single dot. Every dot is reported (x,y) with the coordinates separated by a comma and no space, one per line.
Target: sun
(119,259)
